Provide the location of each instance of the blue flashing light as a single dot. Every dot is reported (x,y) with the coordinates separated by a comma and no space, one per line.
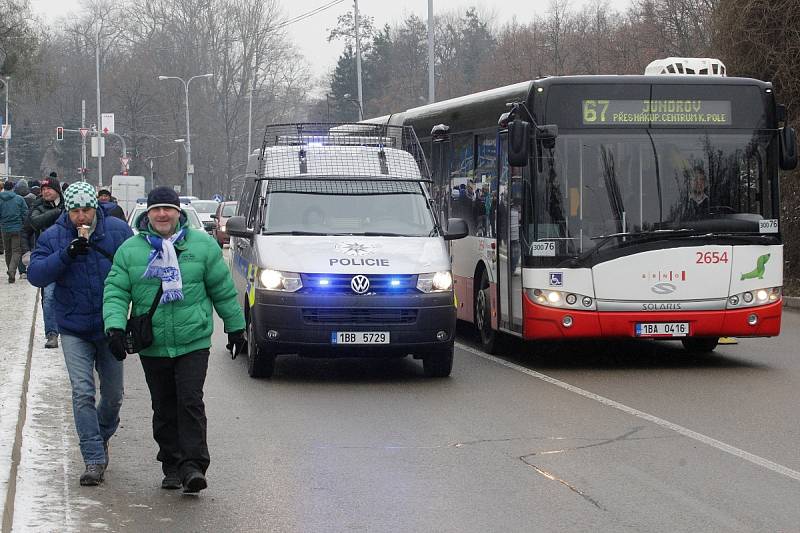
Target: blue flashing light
(324,282)
(395,283)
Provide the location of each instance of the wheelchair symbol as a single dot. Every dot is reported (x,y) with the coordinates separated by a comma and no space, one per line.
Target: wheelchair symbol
(556,279)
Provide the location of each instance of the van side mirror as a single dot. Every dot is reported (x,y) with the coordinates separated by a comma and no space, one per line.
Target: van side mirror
(456,229)
(519,134)
(547,135)
(237,227)
(213,215)
(788,148)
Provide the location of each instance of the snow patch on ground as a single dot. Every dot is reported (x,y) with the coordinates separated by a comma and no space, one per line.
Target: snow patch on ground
(16,316)
(48,496)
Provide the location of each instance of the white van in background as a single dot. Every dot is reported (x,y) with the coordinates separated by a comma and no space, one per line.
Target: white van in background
(127,190)
(336,249)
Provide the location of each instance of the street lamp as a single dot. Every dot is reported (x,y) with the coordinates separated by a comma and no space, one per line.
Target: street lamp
(6,169)
(350,99)
(188,145)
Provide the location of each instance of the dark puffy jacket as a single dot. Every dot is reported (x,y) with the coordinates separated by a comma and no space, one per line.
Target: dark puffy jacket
(79,281)
(12,211)
(113,209)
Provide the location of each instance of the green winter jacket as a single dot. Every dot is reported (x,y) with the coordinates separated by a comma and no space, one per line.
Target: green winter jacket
(178,327)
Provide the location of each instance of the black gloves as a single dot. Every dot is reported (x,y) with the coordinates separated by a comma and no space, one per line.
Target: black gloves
(116,343)
(236,343)
(79,246)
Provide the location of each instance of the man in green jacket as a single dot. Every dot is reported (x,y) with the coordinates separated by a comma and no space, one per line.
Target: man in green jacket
(188,267)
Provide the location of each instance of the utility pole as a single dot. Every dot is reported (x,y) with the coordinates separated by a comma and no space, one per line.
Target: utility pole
(99,121)
(358,64)
(431,84)
(83,140)
(8,125)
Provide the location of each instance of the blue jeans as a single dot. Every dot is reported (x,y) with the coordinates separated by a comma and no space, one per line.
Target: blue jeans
(94,422)
(48,309)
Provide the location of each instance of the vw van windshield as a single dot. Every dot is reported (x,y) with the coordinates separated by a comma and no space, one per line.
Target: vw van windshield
(356,207)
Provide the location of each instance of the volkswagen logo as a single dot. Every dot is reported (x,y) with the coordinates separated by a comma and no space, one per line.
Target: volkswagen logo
(359,284)
(663,288)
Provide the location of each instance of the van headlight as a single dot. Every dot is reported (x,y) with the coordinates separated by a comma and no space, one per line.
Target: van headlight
(276,280)
(435,281)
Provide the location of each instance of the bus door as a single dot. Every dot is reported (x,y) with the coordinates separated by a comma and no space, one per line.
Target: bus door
(509,252)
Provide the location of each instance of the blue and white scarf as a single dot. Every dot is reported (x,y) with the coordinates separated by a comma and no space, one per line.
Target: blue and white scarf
(163,263)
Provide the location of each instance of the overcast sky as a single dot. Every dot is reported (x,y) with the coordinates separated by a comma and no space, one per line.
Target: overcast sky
(310,34)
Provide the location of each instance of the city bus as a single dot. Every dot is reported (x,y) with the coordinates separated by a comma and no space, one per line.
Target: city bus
(610,206)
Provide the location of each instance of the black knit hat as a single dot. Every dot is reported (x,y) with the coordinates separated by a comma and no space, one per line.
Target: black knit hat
(51,182)
(163,197)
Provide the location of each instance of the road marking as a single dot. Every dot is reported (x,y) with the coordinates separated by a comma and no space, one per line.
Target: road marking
(686,432)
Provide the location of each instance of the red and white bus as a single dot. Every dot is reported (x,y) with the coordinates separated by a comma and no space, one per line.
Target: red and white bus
(639,206)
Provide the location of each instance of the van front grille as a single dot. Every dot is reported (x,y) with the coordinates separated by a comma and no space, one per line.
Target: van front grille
(359,316)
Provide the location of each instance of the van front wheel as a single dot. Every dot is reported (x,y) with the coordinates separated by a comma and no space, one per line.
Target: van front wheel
(439,363)
(260,363)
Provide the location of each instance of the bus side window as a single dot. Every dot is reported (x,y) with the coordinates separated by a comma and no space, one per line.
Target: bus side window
(462,176)
(487,190)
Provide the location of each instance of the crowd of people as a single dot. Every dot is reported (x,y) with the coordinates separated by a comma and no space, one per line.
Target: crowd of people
(73,242)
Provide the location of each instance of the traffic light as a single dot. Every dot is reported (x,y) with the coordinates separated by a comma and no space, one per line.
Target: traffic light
(60,133)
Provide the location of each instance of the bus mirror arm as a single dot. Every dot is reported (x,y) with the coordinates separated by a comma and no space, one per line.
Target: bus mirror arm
(237,227)
(788,147)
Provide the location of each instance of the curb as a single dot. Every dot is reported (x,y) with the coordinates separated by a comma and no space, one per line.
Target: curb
(16,447)
(791,302)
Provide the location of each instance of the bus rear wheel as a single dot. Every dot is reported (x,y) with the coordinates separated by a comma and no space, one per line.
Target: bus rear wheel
(483,315)
(700,344)
(260,363)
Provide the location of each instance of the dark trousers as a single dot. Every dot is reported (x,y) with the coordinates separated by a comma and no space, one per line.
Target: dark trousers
(179,415)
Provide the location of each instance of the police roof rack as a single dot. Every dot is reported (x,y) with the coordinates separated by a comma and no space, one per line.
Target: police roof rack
(342,151)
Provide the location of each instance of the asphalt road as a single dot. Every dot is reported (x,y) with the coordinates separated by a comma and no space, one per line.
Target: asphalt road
(692,444)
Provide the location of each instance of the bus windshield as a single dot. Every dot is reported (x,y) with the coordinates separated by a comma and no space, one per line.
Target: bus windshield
(357,207)
(600,183)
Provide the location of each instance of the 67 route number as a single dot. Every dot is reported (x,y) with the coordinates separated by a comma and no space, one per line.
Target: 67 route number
(711,258)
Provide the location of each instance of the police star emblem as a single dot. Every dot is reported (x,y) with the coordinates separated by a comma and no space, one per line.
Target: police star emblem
(354,248)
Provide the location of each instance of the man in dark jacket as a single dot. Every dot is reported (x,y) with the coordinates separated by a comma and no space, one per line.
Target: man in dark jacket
(109,204)
(25,244)
(76,254)
(12,212)
(43,214)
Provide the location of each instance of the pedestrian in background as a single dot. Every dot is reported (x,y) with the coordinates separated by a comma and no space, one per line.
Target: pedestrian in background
(186,267)
(43,214)
(13,210)
(109,204)
(21,188)
(75,254)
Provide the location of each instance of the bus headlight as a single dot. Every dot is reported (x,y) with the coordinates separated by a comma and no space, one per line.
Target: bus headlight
(753,298)
(567,300)
(275,280)
(435,281)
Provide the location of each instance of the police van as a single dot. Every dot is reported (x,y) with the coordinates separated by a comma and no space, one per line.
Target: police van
(336,250)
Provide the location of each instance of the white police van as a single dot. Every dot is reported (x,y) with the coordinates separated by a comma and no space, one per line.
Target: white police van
(336,250)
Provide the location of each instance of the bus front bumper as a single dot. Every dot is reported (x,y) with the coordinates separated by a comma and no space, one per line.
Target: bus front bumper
(543,322)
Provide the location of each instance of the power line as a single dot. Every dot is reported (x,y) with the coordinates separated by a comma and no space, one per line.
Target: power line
(308,14)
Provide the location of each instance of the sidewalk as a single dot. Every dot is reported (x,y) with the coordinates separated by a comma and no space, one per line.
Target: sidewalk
(19,306)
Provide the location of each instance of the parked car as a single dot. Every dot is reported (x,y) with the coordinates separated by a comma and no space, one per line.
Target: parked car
(194,219)
(225,210)
(206,208)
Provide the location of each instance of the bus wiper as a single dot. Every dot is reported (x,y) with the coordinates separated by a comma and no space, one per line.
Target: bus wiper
(632,235)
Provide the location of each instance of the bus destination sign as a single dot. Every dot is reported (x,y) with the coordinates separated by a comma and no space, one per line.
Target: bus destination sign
(660,112)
